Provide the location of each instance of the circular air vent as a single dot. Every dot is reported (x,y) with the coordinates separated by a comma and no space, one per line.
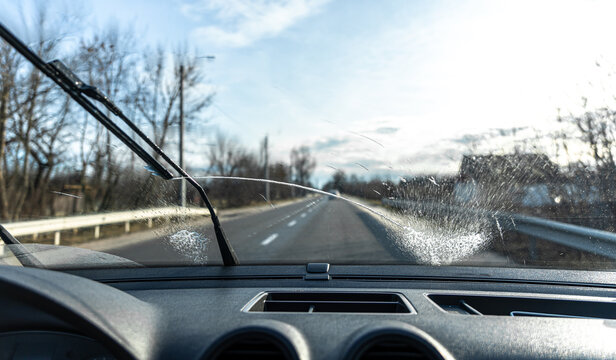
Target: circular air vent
(394,347)
(252,345)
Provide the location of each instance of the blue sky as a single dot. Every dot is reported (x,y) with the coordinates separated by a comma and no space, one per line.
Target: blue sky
(388,85)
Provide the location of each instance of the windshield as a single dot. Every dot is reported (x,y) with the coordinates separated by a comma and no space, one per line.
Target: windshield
(347,132)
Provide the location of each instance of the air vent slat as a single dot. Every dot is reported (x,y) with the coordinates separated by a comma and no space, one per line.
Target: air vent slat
(315,302)
(331,302)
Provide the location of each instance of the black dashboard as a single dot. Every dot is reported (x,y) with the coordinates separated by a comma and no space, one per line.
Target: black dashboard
(279,312)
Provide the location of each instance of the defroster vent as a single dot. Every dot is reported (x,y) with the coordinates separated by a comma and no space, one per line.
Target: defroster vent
(331,302)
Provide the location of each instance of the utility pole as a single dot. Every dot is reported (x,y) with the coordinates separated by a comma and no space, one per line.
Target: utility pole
(266,156)
(291,177)
(183,181)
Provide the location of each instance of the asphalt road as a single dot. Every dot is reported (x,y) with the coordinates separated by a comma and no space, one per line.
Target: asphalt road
(317,229)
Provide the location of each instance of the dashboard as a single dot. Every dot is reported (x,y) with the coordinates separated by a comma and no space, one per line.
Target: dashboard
(282,312)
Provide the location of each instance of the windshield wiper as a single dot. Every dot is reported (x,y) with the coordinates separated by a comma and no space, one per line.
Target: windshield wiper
(19,251)
(76,89)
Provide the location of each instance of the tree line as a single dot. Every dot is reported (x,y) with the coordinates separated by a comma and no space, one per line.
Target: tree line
(55,159)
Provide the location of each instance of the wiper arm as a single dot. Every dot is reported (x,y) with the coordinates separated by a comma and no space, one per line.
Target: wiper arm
(19,251)
(76,88)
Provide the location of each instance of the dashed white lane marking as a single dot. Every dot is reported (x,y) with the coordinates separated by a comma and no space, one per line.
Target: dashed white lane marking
(303,215)
(269,239)
(292,223)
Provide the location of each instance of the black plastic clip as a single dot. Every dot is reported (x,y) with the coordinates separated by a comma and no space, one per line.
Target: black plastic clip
(317,271)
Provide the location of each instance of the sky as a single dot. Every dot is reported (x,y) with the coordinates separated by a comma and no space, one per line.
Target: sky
(379,87)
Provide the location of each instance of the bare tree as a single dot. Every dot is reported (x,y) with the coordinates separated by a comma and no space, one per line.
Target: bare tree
(228,158)
(35,95)
(107,61)
(9,64)
(224,155)
(597,130)
(158,92)
(38,121)
(280,172)
(303,165)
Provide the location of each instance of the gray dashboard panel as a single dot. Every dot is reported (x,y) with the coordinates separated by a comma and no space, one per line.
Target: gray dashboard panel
(197,317)
(172,316)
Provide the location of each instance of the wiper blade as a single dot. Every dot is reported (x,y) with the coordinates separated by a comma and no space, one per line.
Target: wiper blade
(76,89)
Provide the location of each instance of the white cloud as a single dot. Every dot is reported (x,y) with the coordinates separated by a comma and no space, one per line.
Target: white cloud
(242,22)
(459,68)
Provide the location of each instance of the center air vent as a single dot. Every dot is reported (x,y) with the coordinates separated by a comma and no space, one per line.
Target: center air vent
(252,346)
(394,347)
(338,302)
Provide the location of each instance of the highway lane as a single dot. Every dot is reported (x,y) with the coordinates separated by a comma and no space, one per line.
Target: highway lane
(317,229)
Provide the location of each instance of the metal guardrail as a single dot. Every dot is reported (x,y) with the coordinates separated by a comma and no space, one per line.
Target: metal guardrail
(579,237)
(57,225)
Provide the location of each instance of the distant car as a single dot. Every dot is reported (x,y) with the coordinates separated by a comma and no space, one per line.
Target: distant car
(333,192)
